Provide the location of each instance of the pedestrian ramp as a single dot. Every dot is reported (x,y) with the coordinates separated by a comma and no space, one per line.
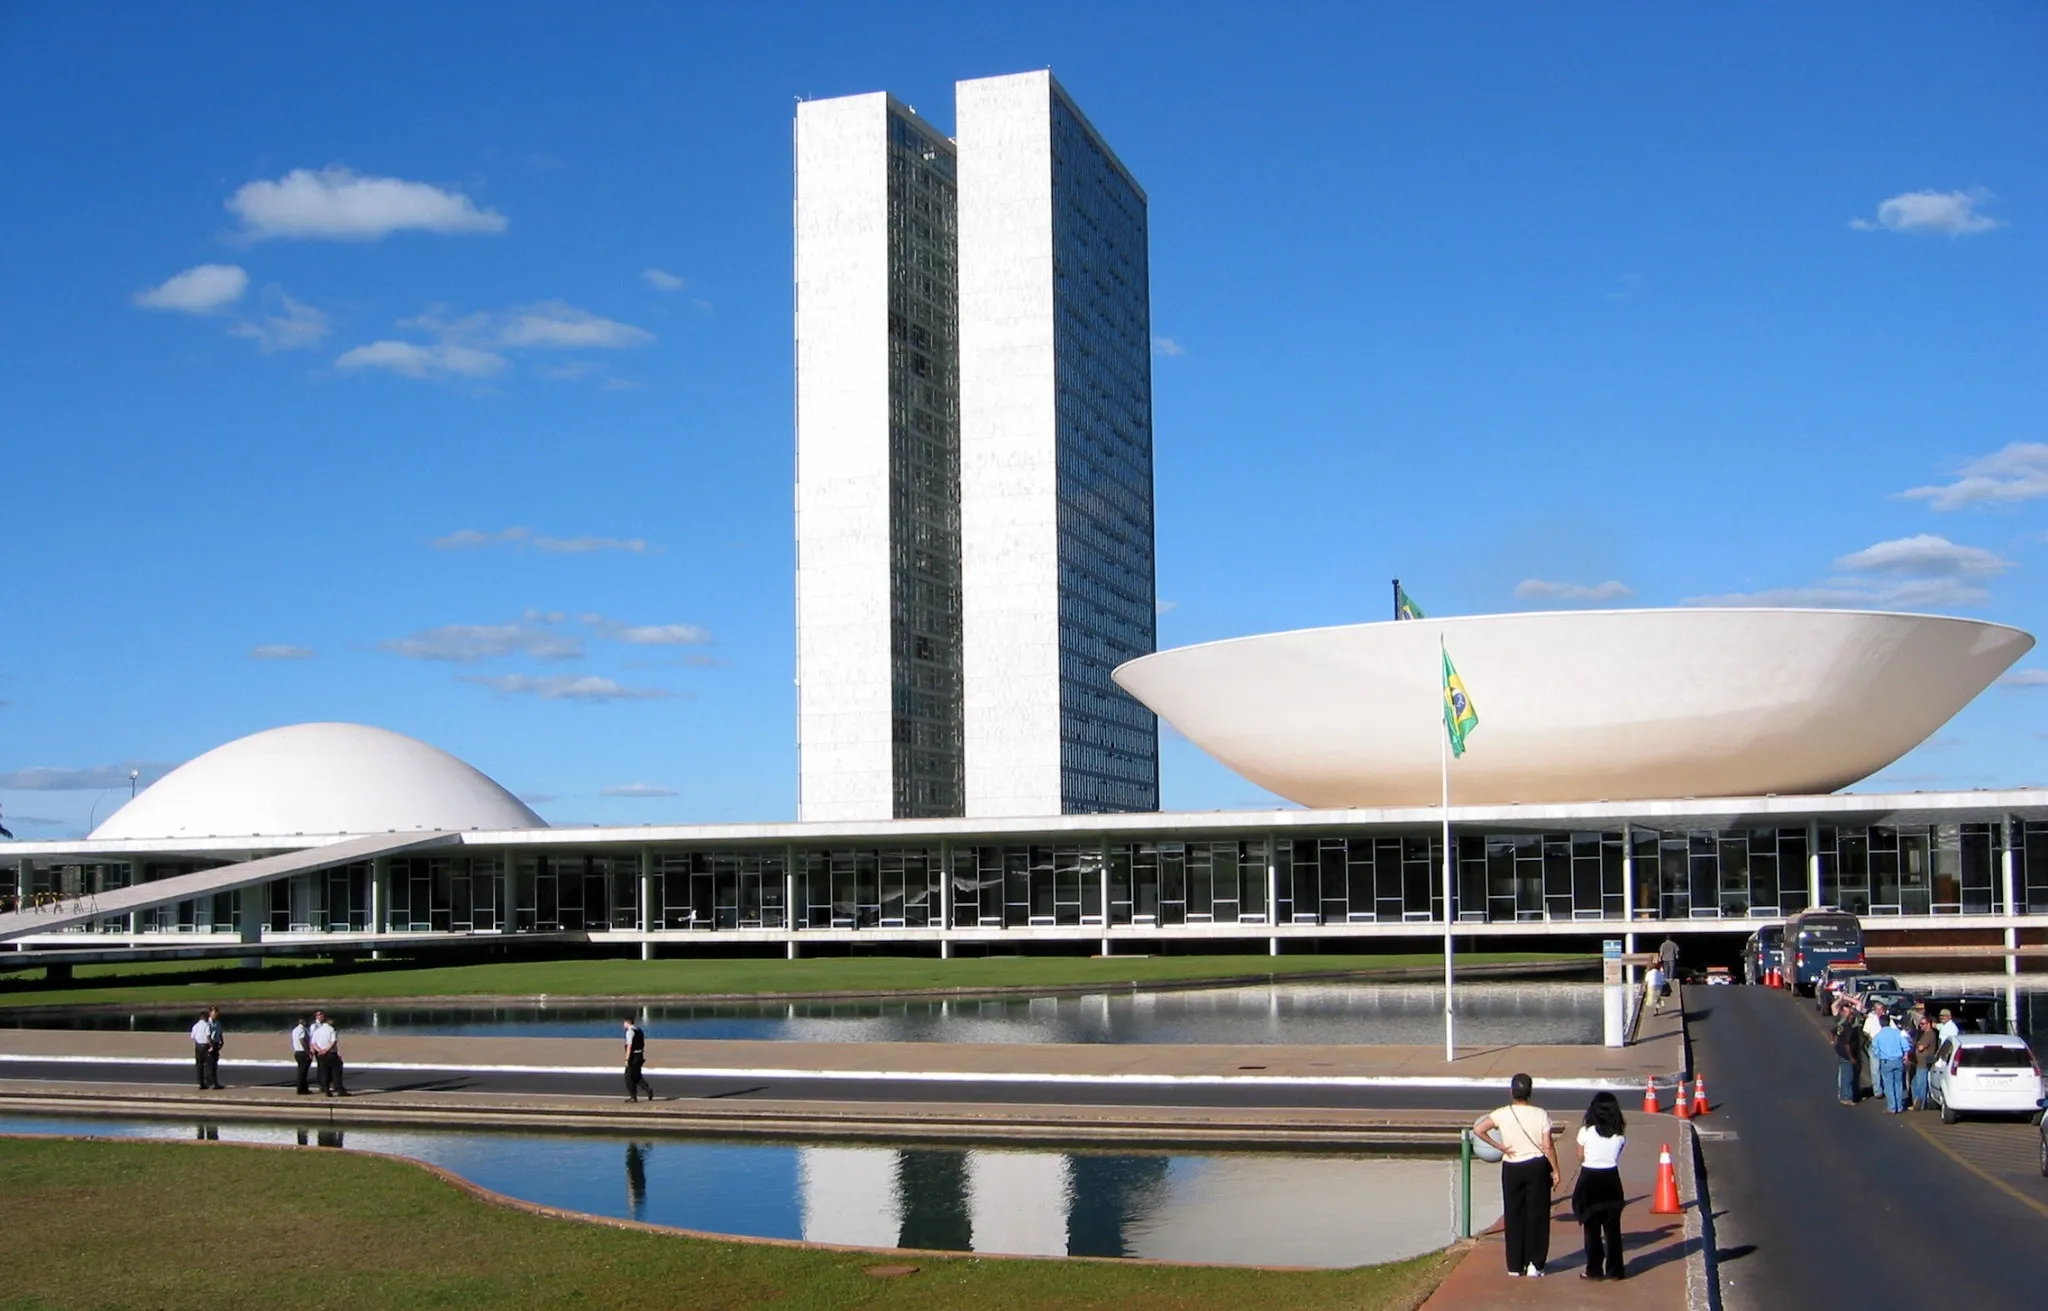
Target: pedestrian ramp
(87,908)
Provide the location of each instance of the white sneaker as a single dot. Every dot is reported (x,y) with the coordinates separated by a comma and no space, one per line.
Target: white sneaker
(1514,1274)
(1534,1273)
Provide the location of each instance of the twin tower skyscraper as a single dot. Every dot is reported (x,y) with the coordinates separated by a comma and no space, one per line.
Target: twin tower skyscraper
(974,460)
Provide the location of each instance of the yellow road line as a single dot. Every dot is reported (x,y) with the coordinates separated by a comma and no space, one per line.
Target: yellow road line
(1981,1173)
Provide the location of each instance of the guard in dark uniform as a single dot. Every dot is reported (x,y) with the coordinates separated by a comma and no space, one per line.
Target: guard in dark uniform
(636,1059)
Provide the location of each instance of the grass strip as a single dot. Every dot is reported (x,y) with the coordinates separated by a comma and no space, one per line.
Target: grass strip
(204,1226)
(197,982)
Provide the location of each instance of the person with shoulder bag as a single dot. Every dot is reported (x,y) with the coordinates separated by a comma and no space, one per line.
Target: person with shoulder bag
(1529,1175)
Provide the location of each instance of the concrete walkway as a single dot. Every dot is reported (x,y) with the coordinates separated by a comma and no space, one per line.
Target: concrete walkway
(1659,1054)
(1657,1246)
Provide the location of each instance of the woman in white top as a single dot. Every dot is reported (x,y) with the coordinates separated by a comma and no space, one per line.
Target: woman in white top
(1597,1196)
(1528,1175)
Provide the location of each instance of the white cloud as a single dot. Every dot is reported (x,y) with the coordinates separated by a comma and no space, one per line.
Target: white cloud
(663,280)
(1908,573)
(2019,472)
(616,630)
(469,643)
(295,326)
(1165,607)
(1941,213)
(93,778)
(470,539)
(536,798)
(564,687)
(1925,556)
(2025,678)
(337,204)
(412,360)
(1167,346)
(638,790)
(281,651)
(554,325)
(201,289)
(1852,594)
(585,545)
(1539,589)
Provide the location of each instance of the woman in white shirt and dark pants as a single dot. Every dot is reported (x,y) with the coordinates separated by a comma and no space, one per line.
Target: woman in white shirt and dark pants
(1597,1196)
(1528,1175)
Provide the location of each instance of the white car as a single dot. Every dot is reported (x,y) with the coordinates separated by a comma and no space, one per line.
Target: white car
(1985,1074)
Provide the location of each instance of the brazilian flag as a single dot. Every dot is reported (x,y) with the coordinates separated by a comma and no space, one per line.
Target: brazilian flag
(1460,718)
(1404,605)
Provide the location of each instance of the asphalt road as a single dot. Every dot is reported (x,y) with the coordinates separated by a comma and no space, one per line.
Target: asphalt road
(1819,1204)
(823,1089)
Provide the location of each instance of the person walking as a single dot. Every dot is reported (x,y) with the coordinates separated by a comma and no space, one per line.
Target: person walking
(301,1055)
(1654,983)
(207,1040)
(326,1045)
(1926,1042)
(636,1059)
(1848,1045)
(1597,1195)
(1667,956)
(1890,1048)
(1520,1131)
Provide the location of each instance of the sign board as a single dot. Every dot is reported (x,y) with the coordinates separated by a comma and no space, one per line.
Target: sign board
(1611,948)
(1610,953)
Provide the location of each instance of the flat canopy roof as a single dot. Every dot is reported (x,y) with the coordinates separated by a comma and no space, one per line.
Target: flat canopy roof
(1876,808)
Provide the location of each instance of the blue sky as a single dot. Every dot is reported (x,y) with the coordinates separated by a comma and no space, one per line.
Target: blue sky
(429,366)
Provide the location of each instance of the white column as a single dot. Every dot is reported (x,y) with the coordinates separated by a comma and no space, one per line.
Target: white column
(1813,862)
(646,901)
(1628,904)
(380,885)
(2012,906)
(136,873)
(1103,855)
(790,920)
(945,901)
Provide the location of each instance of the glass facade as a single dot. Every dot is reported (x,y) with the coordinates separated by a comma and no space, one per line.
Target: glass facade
(1331,880)
(1102,344)
(927,753)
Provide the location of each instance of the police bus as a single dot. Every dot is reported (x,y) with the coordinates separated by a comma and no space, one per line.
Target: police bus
(1816,939)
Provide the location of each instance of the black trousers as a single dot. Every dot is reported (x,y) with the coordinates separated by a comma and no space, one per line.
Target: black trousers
(1525,1211)
(1603,1245)
(305,1064)
(635,1081)
(206,1061)
(330,1074)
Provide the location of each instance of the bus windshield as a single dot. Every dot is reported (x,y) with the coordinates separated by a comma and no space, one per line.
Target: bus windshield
(1830,932)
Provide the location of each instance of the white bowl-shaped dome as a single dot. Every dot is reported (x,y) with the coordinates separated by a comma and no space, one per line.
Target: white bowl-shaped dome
(308,779)
(1577,706)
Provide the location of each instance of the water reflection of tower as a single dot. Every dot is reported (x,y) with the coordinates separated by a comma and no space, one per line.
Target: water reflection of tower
(933,1186)
(1107,1194)
(636,1179)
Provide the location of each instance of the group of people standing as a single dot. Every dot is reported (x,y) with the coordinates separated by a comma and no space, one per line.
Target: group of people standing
(1530,1176)
(1878,1053)
(315,1045)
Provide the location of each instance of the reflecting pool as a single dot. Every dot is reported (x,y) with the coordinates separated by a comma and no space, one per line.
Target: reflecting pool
(1401,1014)
(1233,1209)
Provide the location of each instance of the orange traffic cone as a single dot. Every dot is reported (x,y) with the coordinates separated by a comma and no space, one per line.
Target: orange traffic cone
(1699,1096)
(1666,1200)
(1682,1108)
(1650,1097)
(1771,978)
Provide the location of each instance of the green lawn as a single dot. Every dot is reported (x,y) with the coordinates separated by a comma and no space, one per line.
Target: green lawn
(167,1225)
(321,981)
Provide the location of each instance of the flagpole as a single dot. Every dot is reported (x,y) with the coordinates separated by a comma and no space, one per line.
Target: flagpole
(1450,915)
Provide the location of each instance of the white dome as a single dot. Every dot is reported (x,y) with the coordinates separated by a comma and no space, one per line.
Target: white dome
(308,779)
(1614,705)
